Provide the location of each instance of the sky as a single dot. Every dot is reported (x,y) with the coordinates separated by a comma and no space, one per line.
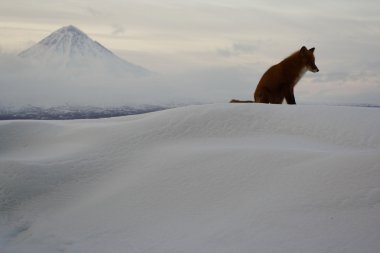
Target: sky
(211,50)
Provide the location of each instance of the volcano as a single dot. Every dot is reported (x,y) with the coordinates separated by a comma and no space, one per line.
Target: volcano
(69,48)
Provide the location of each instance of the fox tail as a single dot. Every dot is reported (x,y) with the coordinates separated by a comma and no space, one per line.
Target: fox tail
(241,101)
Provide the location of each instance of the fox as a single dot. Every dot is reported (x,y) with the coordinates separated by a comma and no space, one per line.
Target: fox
(278,81)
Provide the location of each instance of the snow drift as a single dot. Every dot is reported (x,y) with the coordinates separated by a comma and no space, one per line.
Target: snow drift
(213,178)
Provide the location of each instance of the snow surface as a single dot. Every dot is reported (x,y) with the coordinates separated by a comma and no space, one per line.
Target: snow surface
(211,178)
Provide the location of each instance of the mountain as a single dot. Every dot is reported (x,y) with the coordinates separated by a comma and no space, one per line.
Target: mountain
(70,48)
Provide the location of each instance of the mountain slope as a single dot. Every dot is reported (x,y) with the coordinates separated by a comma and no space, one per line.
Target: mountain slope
(213,178)
(68,47)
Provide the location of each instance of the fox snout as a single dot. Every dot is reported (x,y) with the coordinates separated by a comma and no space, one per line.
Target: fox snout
(314,69)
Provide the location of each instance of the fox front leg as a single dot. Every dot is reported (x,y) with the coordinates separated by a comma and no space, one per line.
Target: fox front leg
(289,96)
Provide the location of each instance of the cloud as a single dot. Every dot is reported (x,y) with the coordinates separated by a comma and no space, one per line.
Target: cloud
(237,49)
(24,84)
(118,29)
(93,11)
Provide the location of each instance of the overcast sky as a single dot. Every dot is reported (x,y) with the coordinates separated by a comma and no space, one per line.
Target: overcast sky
(210,41)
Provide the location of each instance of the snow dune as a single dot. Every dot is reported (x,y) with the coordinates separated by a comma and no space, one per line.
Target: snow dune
(211,178)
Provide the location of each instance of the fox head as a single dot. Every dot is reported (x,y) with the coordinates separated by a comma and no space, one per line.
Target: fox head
(309,59)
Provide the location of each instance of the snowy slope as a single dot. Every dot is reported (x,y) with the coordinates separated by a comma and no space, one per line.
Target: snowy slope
(70,48)
(212,178)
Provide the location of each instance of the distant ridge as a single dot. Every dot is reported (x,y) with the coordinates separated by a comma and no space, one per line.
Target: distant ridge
(68,112)
(70,48)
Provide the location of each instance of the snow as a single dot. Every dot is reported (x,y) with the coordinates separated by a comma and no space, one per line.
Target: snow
(209,178)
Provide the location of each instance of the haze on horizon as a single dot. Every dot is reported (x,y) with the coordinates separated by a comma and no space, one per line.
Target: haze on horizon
(208,51)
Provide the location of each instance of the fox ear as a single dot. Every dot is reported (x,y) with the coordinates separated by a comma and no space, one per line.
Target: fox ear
(312,49)
(303,50)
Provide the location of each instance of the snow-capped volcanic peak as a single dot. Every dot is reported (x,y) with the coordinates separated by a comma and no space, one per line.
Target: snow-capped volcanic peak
(70,47)
(67,41)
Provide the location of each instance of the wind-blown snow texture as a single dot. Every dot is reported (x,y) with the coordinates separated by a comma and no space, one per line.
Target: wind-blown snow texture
(71,49)
(211,178)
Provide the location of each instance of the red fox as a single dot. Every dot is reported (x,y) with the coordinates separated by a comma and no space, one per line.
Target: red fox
(278,81)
